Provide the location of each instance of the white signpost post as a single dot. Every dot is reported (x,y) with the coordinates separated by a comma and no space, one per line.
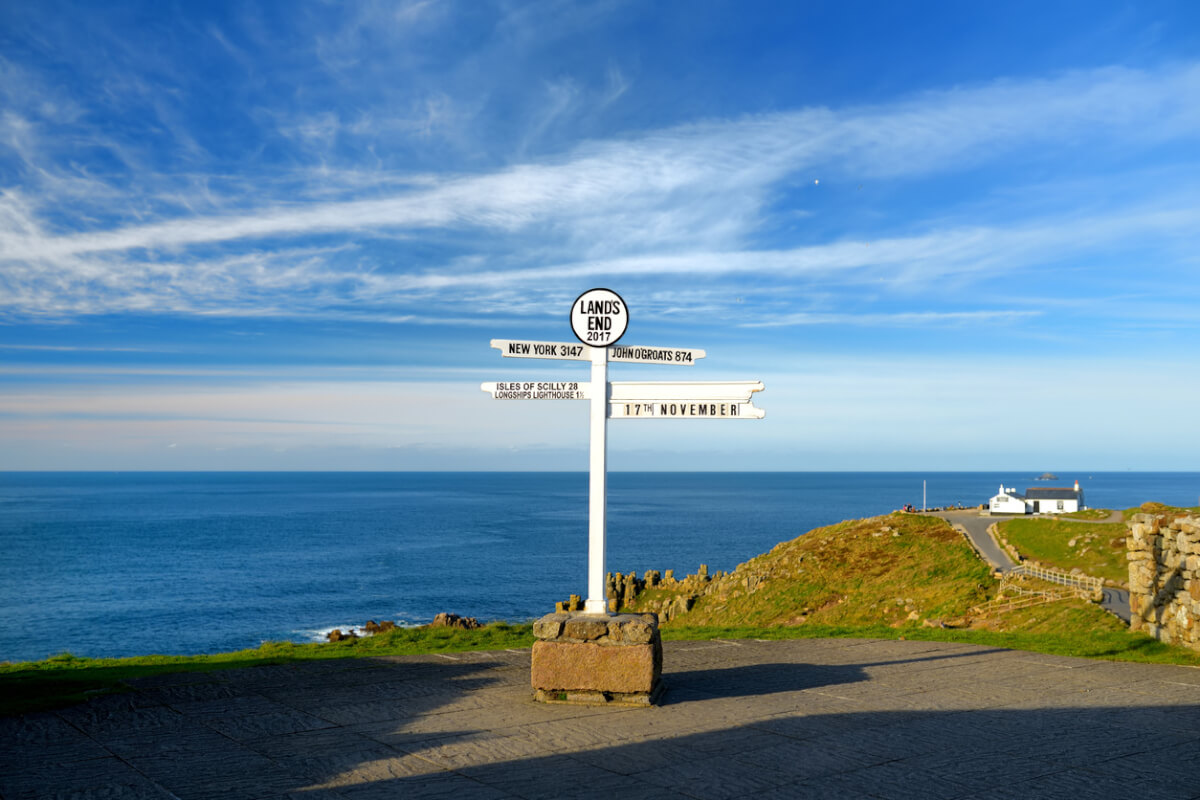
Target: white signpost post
(599,318)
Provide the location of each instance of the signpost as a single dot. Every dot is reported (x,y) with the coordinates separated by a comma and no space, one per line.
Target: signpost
(599,318)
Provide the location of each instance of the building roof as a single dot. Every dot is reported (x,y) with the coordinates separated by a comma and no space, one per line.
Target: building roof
(1010,493)
(1050,493)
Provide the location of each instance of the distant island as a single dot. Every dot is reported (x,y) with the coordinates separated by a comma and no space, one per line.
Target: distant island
(1046,476)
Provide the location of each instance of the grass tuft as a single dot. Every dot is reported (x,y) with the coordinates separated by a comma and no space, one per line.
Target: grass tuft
(65,679)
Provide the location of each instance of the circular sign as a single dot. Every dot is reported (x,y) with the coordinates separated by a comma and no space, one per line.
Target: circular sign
(599,317)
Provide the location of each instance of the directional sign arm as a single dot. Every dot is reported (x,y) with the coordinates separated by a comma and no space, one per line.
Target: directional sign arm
(538,390)
(738,391)
(574,351)
(640,354)
(645,399)
(562,351)
(684,400)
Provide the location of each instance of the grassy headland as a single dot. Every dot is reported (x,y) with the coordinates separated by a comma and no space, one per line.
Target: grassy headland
(889,577)
(882,571)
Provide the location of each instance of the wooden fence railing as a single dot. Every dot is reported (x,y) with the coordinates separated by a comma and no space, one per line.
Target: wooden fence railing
(1084,585)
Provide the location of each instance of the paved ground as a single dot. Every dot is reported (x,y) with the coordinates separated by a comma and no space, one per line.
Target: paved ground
(811,718)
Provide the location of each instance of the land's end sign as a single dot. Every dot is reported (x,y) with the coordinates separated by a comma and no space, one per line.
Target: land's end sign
(599,317)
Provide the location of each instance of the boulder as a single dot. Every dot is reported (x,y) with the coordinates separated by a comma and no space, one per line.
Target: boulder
(444,620)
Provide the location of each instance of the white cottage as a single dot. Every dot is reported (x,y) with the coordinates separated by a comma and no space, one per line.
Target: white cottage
(1037,501)
(1055,501)
(1008,501)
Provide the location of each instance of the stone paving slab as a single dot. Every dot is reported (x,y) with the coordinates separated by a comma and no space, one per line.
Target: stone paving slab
(829,718)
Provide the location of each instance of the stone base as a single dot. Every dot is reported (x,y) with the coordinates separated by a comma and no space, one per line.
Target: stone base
(601,698)
(595,659)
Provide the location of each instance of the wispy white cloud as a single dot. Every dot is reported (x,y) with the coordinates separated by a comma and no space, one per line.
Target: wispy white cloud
(898,319)
(936,132)
(685,200)
(49,348)
(304,282)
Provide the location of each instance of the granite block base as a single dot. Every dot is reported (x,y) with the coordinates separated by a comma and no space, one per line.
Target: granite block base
(595,659)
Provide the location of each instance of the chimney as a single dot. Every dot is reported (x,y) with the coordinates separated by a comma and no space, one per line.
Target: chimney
(1076,484)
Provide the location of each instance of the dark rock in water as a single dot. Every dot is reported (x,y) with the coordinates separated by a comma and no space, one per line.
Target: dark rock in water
(1046,476)
(444,620)
(371,628)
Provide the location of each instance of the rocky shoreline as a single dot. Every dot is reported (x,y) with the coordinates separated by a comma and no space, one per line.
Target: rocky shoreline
(442,620)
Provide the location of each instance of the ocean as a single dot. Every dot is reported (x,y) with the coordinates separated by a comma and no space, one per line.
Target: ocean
(115,564)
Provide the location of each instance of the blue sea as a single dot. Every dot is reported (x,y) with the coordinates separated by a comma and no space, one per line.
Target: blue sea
(113,564)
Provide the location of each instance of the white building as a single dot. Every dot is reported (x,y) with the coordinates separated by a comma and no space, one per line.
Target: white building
(1055,501)
(1008,501)
(1049,500)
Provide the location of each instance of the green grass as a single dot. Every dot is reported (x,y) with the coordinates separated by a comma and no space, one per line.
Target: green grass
(1097,549)
(855,573)
(1088,513)
(1159,508)
(66,679)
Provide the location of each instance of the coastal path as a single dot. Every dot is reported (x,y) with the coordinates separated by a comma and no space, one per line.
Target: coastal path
(828,718)
(1115,600)
(976,527)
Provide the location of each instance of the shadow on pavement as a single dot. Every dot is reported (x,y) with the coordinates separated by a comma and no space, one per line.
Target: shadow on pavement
(761,679)
(408,728)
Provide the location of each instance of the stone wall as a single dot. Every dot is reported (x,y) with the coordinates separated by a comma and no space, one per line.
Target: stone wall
(1164,577)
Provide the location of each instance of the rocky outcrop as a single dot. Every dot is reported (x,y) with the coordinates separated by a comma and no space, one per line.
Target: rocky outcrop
(624,590)
(372,627)
(1164,577)
(445,620)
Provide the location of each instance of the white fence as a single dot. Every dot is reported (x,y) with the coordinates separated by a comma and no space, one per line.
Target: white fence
(1084,585)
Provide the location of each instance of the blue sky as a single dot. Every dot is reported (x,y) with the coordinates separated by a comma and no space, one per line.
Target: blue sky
(281,235)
